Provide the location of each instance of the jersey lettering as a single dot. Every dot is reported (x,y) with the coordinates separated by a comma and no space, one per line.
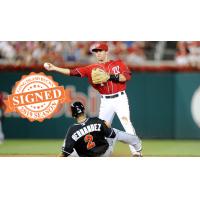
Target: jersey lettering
(89,140)
(92,127)
(77,133)
(85,130)
(97,127)
(116,70)
(89,129)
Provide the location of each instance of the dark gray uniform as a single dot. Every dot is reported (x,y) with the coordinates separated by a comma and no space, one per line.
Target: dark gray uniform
(88,138)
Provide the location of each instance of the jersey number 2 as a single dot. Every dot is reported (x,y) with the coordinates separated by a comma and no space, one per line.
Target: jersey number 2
(89,139)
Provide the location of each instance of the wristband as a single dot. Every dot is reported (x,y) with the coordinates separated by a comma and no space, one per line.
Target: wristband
(114,78)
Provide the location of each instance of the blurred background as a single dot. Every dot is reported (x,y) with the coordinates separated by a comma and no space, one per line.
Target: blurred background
(29,53)
(164,93)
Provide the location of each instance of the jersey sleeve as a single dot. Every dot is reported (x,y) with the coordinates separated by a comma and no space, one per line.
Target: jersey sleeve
(74,72)
(108,132)
(68,145)
(81,71)
(125,71)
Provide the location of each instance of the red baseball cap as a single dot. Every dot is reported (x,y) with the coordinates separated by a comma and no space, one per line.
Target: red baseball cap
(99,46)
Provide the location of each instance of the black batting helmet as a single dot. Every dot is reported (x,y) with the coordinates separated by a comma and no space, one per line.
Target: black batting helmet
(77,108)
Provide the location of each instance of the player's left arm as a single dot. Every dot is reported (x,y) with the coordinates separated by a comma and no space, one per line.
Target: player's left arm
(123,76)
(107,124)
(66,150)
(107,130)
(68,146)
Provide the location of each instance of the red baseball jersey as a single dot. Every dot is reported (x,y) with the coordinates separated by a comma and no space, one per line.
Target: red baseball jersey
(112,67)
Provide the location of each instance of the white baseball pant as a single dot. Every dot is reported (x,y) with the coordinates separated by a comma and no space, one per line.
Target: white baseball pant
(124,137)
(120,106)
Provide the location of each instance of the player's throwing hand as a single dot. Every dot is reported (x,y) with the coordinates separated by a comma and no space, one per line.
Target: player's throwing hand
(49,66)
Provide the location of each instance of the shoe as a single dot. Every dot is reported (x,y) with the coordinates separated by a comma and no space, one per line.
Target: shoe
(137,154)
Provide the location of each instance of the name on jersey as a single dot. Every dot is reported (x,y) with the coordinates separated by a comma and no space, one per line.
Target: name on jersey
(85,130)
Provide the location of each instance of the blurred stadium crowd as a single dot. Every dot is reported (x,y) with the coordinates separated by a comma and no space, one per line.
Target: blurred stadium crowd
(132,52)
(188,53)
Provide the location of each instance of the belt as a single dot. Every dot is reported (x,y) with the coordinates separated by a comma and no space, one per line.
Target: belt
(112,96)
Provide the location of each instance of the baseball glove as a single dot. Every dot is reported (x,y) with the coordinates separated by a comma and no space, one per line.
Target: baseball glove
(99,76)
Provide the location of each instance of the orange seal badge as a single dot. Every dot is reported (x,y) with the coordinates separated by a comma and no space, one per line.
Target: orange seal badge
(36,97)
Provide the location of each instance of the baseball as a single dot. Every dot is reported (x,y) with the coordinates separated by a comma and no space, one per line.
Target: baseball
(46,66)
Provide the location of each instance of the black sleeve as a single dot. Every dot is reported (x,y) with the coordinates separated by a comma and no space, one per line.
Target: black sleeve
(108,132)
(68,144)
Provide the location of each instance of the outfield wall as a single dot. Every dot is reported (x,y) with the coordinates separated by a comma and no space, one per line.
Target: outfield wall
(160,104)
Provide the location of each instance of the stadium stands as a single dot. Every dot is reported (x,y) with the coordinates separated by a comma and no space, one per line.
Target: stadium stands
(134,53)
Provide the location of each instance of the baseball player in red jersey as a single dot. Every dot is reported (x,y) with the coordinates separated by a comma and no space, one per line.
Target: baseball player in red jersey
(112,87)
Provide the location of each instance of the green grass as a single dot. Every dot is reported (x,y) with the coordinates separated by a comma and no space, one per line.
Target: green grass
(31,147)
(150,148)
(164,148)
